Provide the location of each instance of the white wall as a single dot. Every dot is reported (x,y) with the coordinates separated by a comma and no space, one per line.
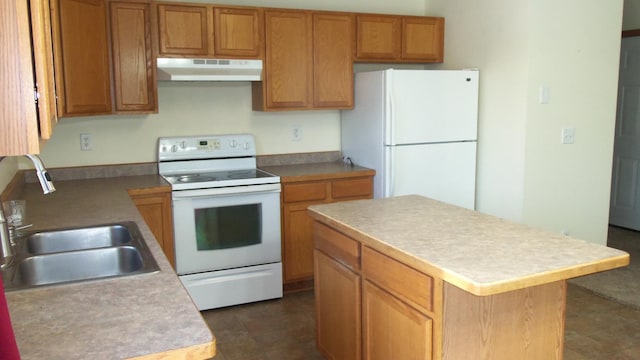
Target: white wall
(189,109)
(519,46)
(567,187)
(631,19)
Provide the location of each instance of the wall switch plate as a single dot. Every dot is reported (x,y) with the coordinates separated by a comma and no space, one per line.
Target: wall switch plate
(568,135)
(544,95)
(85,142)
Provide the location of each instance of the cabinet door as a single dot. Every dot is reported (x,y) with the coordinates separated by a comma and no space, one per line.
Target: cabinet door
(288,77)
(237,32)
(156,212)
(297,243)
(423,38)
(392,329)
(338,319)
(18,128)
(43,66)
(81,52)
(183,30)
(378,37)
(134,81)
(332,61)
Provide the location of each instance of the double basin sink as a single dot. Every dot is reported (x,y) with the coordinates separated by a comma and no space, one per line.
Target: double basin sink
(78,254)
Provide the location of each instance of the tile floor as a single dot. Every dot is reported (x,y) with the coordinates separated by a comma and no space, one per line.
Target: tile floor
(596,328)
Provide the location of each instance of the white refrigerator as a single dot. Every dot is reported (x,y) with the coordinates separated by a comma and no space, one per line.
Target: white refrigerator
(418,130)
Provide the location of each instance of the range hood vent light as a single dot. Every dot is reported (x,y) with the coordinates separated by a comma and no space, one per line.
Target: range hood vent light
(174,69)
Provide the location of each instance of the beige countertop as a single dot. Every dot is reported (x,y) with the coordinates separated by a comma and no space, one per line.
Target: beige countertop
(478,253)
(316,171)
(115,318)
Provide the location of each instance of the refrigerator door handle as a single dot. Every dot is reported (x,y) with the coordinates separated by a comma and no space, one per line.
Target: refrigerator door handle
(390,174)
(389,116)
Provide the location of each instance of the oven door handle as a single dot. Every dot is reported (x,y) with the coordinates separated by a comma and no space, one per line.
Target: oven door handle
(231,190)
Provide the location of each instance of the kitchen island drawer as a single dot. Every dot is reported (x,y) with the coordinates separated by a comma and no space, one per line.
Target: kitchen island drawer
(338,246)
(406,283)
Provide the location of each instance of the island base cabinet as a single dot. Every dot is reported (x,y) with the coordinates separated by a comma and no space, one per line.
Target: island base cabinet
(392,329)
(338,322)
(521,324)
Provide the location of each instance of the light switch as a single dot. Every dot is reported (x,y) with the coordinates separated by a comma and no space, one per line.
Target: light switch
(568,135)
(544,94)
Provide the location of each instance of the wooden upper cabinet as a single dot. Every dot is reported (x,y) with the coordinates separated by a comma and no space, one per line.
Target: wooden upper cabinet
(200,30)
(378,37)
(81,48)
(43,66)
(183,30)
(332,60)
(391,38)
(238,32)
(288,68)
(18,120)
(423,38)
(308,61)
(133,71)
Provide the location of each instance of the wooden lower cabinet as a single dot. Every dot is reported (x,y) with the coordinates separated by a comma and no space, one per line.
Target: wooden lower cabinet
(389,322)
(297,246)
(297,225)
(391,328)
(338,322)
(409,314)
(155,208)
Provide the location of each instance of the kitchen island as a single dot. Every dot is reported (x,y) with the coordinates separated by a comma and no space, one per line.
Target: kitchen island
(414,278)
(146,316)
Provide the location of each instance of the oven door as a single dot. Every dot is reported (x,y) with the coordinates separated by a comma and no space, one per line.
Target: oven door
(224,228)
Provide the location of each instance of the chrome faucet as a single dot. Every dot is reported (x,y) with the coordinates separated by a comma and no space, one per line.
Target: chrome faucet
(6,250)
(43,175)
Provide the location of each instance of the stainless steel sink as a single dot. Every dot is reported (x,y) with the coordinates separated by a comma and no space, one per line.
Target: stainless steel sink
(78,265)
(78,254)
(78,239)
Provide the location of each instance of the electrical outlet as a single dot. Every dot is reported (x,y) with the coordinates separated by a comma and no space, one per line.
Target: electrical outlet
(296,133)
(85,142)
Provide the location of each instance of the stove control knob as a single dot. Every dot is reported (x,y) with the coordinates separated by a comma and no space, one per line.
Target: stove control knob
(233,143)
(174,148)
(183,144)
(246,146)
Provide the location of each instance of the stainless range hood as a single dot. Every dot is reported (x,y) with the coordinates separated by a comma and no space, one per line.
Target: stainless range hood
(170,69)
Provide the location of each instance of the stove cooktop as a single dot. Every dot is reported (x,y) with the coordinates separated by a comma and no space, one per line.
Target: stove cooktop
(215,179)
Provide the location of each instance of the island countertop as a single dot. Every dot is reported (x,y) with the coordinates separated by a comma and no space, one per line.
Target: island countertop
(479,253)
(148,315)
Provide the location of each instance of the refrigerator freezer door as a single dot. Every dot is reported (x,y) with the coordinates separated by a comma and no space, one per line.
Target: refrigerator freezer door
(444,172)
(430,106)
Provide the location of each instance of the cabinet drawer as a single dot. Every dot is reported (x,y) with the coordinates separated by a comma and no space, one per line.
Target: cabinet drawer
(304,192)
(360,187)
(399,279)
(338,246)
